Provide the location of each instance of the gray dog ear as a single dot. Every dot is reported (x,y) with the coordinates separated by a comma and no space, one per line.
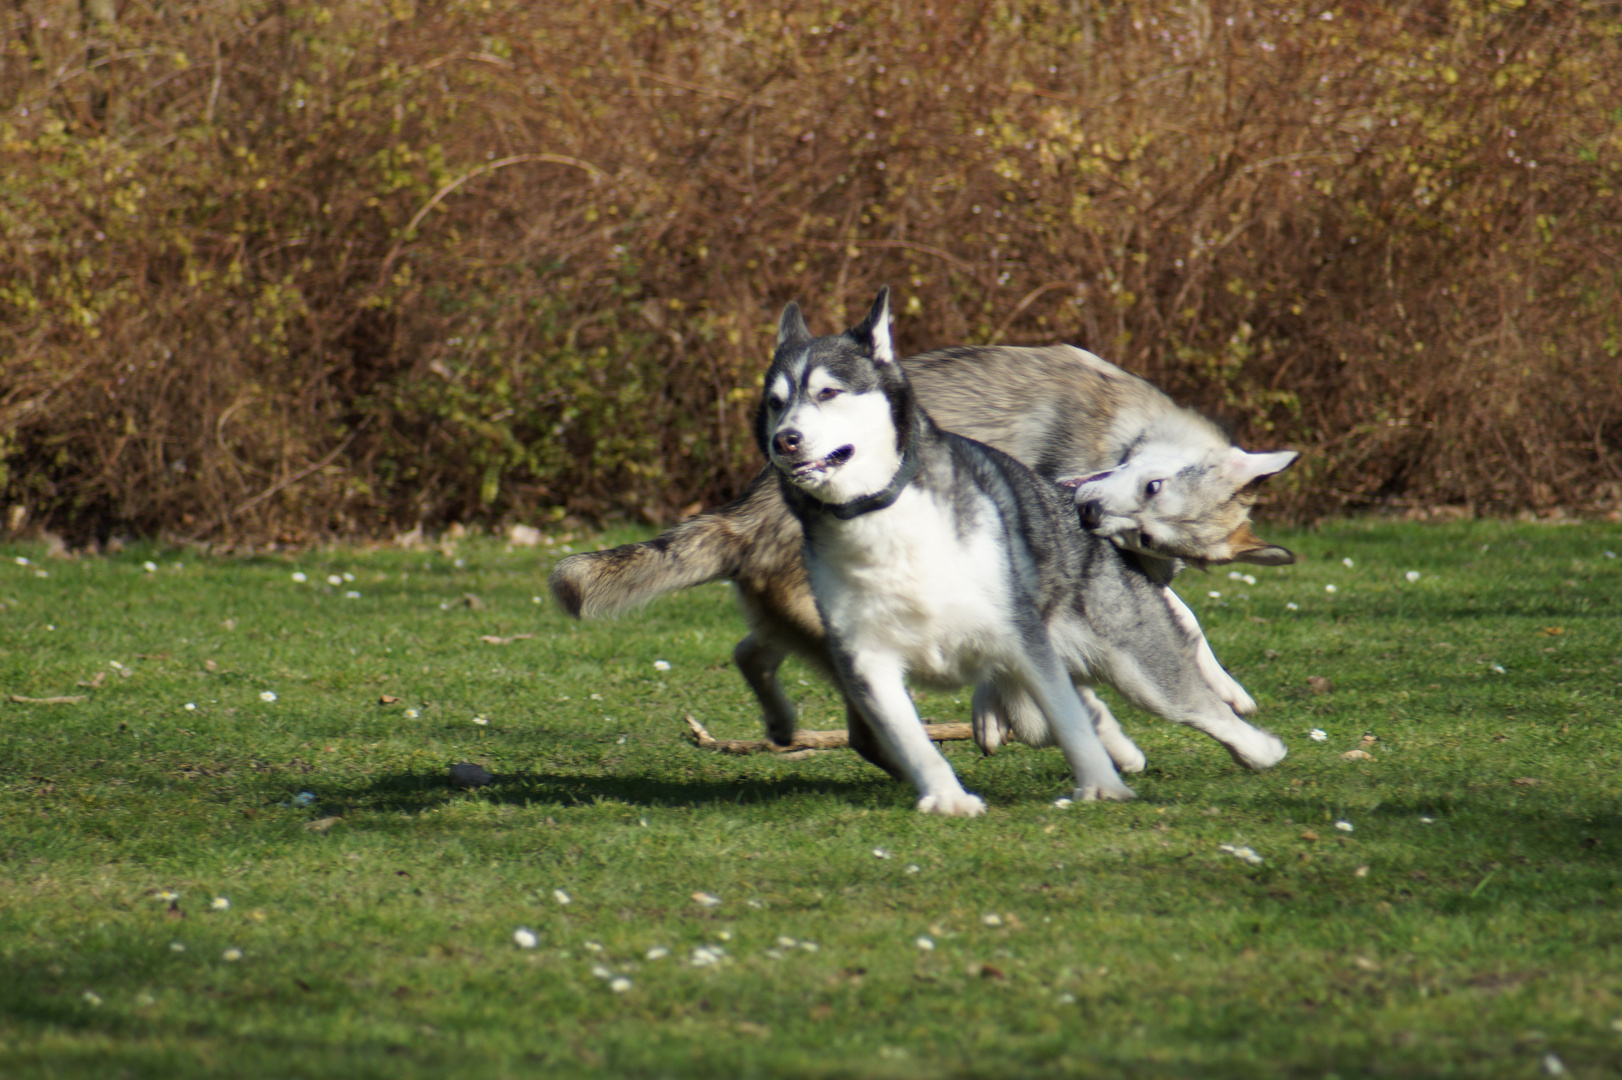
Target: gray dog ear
(791,327)
(874,331)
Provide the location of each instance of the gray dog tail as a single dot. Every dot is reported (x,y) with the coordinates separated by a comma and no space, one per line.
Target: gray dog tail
(700,550)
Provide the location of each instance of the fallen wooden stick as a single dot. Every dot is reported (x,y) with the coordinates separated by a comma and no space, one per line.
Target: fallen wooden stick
(74,700)
(808,742)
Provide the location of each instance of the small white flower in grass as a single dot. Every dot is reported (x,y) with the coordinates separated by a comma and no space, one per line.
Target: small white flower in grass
(150,567)
(1066,998)
(773,954)
(535,599)
(592,946)
(219,903)
(1329,589)
(1343,825)
(267,695)
(1292,606)
(526,938)
(1361,871)
(348,576)
(1610,554)
(412,714)
(925,943)
(1061,803)
(724,935)
(707,899)
(352,595)
(786,942)
(560,896)
(1249,579)
(334,579)
(300,576)
(1347,563)
(601,972)
(1317,735)
(91,998)
(991,919)
(1552,1065)
(177,946)
(596,697)
(481,720)
(115,665)
(880,853)
(661,665)
(1213,594)
(1427,821)
(756,904)
(658,952)
(810,946)
(1498,669)
(21,560)
(42,573)
(191,706)
(619,985)
(231,956)
(1412,576)
(913,868)
(1235,575)
(165,896)
(1247,854)
(703,957)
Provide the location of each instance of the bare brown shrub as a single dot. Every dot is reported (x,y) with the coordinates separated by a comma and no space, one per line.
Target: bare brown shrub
(273,269)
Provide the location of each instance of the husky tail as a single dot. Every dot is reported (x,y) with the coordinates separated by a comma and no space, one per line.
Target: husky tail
(701,549)
(753,536)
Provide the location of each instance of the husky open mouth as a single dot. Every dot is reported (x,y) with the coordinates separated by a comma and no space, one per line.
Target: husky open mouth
(823,466)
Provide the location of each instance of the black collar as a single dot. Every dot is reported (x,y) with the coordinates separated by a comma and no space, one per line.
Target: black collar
(866,504)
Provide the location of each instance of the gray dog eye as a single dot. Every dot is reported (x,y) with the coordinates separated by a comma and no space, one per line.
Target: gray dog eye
(1152,488)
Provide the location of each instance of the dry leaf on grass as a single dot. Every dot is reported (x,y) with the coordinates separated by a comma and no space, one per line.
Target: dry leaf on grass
(323,824)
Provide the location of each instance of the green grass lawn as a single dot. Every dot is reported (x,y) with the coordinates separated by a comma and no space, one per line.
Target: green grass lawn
(1465,920)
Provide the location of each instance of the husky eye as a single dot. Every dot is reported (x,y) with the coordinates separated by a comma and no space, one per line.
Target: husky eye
(827,393)
(1152,488)
(774,403)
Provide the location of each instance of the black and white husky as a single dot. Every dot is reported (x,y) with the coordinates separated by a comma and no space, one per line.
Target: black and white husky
(938,558)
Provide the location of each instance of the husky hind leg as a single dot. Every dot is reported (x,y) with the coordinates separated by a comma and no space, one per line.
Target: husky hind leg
(1008,714)
(1153,659)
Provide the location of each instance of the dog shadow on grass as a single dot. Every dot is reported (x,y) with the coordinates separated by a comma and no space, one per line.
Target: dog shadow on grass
(419,792)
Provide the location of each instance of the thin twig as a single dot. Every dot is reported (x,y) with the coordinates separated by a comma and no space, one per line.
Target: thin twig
(808,740)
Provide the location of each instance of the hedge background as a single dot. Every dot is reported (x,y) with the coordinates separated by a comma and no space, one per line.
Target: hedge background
(281,271)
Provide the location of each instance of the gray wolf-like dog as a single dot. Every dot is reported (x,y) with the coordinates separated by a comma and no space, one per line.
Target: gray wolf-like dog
(1065,413)
(940,559)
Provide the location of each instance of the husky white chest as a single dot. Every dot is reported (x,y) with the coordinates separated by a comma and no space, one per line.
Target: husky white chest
(912,581)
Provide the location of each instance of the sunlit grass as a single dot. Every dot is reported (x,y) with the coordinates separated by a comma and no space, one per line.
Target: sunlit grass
(1464,925)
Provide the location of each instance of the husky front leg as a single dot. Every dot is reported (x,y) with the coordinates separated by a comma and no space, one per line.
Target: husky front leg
(1072,728)
(875,686)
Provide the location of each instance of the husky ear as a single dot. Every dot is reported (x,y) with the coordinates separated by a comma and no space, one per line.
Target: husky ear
(1242,469)
(874,331)
(1246,547)
(791,327)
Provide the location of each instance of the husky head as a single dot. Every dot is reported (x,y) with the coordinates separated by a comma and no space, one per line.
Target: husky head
(837,413)
(1165,502)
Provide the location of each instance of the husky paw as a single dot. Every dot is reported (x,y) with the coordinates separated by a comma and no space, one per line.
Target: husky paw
(1261,750)
(961,804)
(1104,793)
(990,732)
(1127,758)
